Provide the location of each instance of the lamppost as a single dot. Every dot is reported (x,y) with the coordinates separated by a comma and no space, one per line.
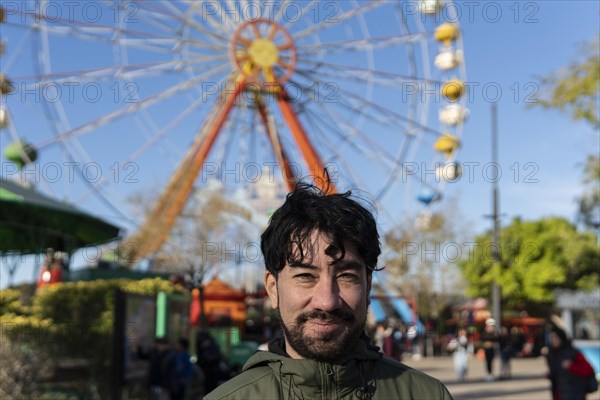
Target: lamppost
(496,290)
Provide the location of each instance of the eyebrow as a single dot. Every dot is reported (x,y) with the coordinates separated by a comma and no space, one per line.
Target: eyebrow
(338,265)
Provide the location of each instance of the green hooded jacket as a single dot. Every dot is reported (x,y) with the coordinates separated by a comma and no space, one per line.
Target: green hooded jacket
(362,374)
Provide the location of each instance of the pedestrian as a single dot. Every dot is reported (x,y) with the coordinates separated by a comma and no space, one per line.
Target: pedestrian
(506,344)
(158,376)
(568,368)
(320,252)
(489,338)
(209,359)
(180,370)
(459,347)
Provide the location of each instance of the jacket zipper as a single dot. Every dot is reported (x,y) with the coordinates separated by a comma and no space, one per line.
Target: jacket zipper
(329,382)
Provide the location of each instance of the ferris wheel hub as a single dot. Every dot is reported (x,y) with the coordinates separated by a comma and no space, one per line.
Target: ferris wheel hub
(263,52)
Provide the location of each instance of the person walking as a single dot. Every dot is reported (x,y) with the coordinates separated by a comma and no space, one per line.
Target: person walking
(568,368)
(459,347)
(158,369)
(180,370)
(506,344)
(489,339)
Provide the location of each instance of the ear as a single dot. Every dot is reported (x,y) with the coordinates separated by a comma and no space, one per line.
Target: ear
(271,287)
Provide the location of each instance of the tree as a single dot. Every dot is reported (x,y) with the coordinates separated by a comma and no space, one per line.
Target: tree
(536,257)
(419,261)
(589,204)
(212,231)
(576,89)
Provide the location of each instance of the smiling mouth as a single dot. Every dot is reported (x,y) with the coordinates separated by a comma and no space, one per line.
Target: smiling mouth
(325,326)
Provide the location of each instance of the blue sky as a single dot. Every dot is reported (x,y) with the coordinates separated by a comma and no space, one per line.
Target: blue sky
(507,45)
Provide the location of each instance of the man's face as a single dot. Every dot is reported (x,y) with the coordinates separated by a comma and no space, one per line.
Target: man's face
(321,302)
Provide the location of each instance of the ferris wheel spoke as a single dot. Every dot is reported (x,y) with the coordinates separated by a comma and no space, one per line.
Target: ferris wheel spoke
(88,30)
(281,6)
(391,172)
(232,6)
(356,11)
(159,19)
(215,29)
(362,107)
(7,64)
(201,45)
(155,20)
(394,117)
(132,108)
(303,11)
(70,31)
(249,5)
(380,151)
(318,127)
(151,141)
(98,74)
(384,77)
(366,44)
(377,78)
(332,115)
(157,45)
(176,12)
(399,171)
(347,133)
(79,167)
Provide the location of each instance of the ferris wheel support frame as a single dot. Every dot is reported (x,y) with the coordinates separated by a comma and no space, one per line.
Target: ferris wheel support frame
(157,227)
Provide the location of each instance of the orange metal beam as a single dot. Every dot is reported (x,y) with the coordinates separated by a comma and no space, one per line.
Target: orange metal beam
(311,157)
(158,225)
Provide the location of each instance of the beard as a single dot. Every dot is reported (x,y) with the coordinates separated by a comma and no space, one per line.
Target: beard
(326,347)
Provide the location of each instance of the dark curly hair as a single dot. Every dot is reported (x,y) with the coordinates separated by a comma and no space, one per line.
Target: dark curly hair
(306,209)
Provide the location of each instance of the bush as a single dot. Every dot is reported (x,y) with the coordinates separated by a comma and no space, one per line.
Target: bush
(68,320)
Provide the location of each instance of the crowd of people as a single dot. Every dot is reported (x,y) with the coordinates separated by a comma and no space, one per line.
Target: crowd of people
(169,370)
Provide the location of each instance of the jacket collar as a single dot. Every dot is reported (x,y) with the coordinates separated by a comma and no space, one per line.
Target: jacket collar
(309,376)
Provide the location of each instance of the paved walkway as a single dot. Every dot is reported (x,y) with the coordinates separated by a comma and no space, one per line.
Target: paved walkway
(528,382)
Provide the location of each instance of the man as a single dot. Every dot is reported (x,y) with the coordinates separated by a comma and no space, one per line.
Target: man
(320,252)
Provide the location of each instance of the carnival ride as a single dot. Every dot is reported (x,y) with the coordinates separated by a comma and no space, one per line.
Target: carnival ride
(354,94)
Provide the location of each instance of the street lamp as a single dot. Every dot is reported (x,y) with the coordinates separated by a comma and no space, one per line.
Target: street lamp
(496,289)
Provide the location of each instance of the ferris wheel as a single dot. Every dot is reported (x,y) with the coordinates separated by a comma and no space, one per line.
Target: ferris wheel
(103,99)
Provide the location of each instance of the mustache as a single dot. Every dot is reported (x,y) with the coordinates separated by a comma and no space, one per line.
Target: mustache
(325,316)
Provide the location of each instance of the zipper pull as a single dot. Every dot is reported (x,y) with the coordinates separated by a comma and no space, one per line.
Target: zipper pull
(329,369)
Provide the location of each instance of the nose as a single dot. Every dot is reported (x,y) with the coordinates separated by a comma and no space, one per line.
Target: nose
(326,295)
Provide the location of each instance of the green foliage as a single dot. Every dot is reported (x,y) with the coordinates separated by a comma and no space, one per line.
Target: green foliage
(26,327)
(150,286)
(576,89)
(88,306)
(536,257)
(67,320)
(10,302)
(589,203)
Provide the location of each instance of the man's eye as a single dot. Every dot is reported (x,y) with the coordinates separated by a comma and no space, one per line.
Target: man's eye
(304,277)
(348,277)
